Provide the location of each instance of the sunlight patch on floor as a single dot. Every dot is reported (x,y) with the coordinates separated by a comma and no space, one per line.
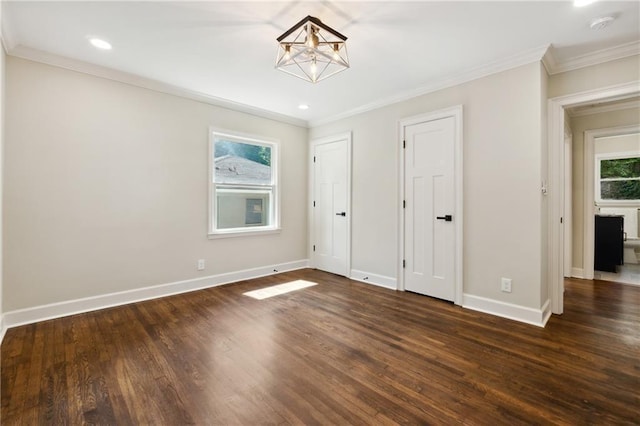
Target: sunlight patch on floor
(276,290)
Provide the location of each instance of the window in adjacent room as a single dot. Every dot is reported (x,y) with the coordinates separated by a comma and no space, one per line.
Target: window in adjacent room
(618,178)
(243,185)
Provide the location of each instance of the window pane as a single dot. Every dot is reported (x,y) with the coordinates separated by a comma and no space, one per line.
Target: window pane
(242,208)
(242,163)
(620,190)
(620,168)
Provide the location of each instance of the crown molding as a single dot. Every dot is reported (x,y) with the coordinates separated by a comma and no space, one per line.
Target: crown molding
(523,58)
(147,83)
(544,54)
(549,60)
(599,109)
(594,58)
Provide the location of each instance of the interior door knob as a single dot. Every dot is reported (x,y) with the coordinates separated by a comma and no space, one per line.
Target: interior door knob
(446,218)
(341,214)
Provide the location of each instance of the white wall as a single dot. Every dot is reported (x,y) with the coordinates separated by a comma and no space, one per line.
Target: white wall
(579,125)
(502,174)
(595,77)
(621,143)
(106,188)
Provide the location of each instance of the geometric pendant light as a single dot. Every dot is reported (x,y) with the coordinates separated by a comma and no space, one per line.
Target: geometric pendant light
(312,51)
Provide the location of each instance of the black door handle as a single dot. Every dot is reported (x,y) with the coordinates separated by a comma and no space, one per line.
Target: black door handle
(446,218)
(341,214)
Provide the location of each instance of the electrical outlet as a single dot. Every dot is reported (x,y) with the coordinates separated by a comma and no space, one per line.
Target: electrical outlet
(506,285)
(201,265)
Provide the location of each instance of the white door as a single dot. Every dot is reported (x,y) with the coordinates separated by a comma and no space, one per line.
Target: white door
(331,213)
(430,245)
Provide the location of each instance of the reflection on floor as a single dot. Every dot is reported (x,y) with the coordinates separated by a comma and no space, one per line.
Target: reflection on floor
(628,273)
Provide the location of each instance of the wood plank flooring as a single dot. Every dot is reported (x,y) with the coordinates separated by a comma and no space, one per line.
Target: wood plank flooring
(340,352)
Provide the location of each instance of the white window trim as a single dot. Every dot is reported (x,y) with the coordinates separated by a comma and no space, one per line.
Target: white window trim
(612,156)
(274,144)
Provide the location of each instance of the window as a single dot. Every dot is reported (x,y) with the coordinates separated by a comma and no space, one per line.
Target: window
(243,185)
(618,178)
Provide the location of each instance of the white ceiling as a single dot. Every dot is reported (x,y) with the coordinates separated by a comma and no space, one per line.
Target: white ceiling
(227,49)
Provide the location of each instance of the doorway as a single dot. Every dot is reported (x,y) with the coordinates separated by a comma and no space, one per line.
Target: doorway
(592,204)
(331,204)
(431,206)
(556,137)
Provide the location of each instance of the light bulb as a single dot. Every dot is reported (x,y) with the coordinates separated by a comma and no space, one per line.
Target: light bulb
(287,52)
(312,38)
(336,48)
(314,68)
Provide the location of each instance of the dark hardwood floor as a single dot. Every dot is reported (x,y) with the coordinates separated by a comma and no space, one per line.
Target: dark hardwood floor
(340,352)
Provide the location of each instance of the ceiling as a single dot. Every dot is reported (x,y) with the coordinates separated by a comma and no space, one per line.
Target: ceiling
(226,50)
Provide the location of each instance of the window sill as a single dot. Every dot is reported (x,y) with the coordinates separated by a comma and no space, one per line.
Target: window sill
(618,203)
(243,233)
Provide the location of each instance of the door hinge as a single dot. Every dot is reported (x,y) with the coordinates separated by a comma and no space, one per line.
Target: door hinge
(404,263)
(314,158)
(314,204)
(314,247)
(404,144)
(561,220)
(404,204)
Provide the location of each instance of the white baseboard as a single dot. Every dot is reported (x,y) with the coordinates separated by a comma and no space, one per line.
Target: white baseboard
(77,306)
(379,280)
(532,316)
(577,273)
(546,312)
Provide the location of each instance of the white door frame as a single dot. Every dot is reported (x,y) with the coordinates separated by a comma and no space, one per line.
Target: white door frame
(555,128)
(312,145)
(590,137)
(456,113)
(568,196)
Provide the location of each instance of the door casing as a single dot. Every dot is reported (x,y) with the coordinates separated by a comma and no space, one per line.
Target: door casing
(457,113)
(555,139)
(567,222)
(315,142)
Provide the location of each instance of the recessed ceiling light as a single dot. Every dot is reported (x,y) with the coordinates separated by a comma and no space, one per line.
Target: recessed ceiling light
(580,3)
(100,44)
(303,106)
